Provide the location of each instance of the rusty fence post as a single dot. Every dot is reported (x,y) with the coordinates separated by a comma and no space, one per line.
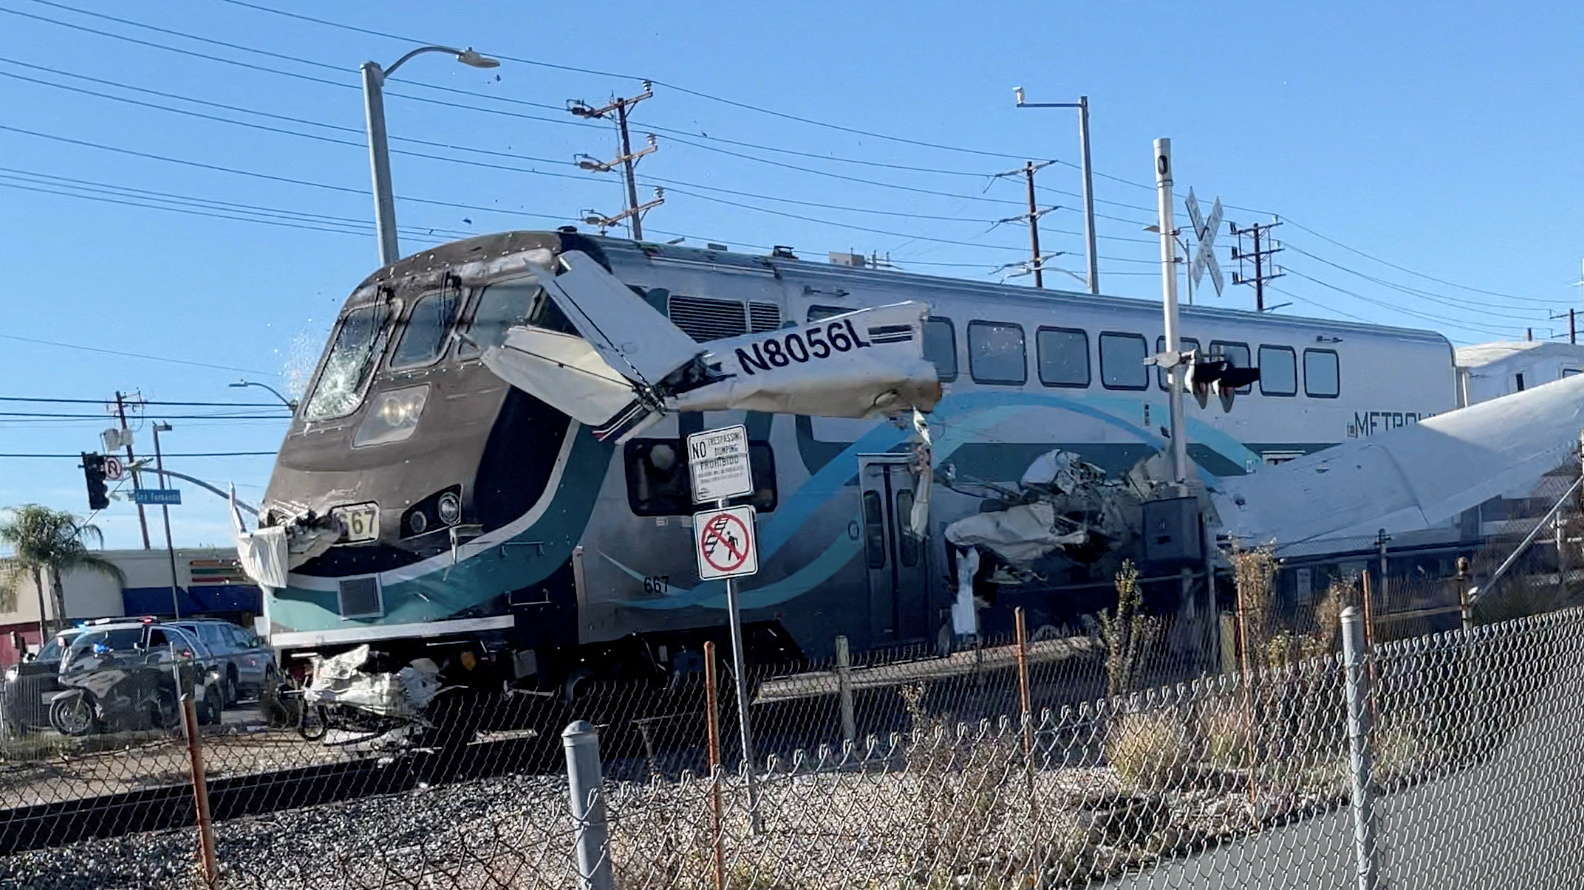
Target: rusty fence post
(1023,683)
(712,720)
(200,783)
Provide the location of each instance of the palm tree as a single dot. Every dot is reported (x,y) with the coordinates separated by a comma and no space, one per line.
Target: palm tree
(43,541)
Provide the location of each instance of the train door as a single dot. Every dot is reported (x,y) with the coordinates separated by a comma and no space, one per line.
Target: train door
(898,576)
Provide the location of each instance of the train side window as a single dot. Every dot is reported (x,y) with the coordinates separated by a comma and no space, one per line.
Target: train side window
(500,306)
(1063,355)
(1278,371)
(357,347)
(874,530)
(996,353)
(1122,361)
(423,339)
(940,347)
(1322,374)
(1237,356)
(658,483)
(1189,344)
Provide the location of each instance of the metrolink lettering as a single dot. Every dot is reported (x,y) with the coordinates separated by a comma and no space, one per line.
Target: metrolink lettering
(1369,422)
(817,342)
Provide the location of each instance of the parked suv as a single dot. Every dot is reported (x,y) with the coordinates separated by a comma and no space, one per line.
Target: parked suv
(249,663)
(29,685)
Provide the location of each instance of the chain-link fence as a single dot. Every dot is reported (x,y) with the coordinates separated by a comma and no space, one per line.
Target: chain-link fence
(1063,760)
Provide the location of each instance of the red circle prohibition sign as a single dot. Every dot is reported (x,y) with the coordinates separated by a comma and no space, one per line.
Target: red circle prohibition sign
(727,532)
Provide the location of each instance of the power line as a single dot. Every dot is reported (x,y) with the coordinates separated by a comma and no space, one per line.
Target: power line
(1477,290)
(680,89)
(42,414)
(1453,302)
(506,168)
(60,401)
(1497,331)
(192,454)
(122,354)
(265,176)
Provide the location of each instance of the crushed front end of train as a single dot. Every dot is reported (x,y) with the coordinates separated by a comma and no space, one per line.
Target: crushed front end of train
(431,496)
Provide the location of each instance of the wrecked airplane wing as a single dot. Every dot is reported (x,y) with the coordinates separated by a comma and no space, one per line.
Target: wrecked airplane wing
(1414,477)
(865,363)
(563,371)
(617,322)
(631,365)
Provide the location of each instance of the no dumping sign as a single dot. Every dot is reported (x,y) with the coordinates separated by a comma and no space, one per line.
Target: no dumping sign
(723,541)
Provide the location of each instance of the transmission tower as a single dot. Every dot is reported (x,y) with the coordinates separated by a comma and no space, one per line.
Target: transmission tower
(627,160)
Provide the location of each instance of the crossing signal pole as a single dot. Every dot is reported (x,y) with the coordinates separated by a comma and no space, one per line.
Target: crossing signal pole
(627,160)
(1264,249)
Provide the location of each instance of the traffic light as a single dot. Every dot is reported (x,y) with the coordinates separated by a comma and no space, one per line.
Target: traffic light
(1213,373)
(94,475)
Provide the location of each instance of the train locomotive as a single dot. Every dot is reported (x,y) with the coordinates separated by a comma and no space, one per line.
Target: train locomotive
(487,470)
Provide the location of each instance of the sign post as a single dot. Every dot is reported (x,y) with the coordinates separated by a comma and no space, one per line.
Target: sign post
(726,548)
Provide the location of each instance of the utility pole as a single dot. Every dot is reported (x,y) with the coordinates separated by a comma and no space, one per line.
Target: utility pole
(131,462)
(1572,317)
(628,158)
(1033,220)
(1264,269)
(1036,263)
(1088,176)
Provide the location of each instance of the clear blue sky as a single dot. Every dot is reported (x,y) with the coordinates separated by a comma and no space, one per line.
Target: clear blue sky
(1444,141)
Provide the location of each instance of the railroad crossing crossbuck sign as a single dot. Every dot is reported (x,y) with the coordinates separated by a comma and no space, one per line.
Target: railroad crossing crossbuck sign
(1204,232)
(723,541)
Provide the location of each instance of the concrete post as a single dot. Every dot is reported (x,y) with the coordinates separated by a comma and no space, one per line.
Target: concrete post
(587,792)
(849,720)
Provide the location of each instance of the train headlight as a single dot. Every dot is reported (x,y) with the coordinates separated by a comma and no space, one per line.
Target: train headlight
(392,417)
(449,507)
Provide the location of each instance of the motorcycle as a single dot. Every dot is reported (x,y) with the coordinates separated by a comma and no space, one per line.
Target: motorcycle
(110,691)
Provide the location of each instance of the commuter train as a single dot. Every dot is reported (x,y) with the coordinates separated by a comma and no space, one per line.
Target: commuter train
(469,512)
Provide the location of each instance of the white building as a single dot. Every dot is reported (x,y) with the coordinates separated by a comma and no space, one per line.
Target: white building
(1491,370)
(209,582)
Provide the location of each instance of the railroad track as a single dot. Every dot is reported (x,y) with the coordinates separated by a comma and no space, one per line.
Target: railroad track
(171,806)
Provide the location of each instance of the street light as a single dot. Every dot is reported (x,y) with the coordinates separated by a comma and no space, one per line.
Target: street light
(170,549)
(240,384)
(1088,176)
(379,152)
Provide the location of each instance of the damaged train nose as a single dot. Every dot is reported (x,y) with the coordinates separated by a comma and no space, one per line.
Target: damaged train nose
(630,366)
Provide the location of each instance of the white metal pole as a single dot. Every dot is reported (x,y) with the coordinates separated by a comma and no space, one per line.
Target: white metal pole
(739,667)
(379,162)
(170,549)
(1088,195)
(1163,188)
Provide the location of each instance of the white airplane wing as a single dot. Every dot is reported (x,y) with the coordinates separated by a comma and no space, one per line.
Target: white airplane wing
(563,371)
(617,322)
(631,365)
(1414,477)
(861,364)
